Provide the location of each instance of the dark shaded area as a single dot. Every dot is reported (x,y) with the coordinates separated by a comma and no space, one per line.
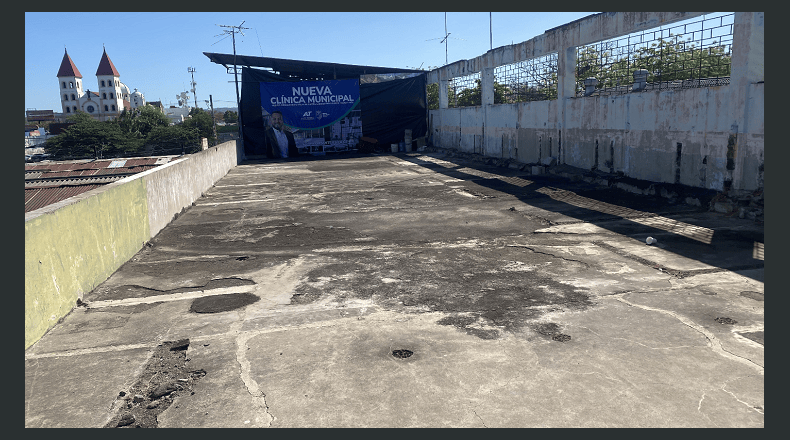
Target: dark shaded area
(757,296)
(738,243)
(498,299)
(222,303)
(758,337)
(390,107)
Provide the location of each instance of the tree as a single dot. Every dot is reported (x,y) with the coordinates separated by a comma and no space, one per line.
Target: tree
(140,121)
(665,60)
(473,95)
(90,138)
(230,117)
(200,120)
(173,139)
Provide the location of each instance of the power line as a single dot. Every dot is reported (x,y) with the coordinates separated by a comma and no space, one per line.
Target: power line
(232,31)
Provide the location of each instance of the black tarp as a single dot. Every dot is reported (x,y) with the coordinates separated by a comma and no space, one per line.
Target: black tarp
(388,108)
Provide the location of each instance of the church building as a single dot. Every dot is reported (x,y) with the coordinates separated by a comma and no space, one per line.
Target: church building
(107,103)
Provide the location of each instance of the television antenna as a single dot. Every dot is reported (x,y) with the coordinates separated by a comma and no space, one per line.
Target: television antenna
(446,37)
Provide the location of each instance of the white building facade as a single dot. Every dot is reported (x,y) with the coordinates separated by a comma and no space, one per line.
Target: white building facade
(108,102)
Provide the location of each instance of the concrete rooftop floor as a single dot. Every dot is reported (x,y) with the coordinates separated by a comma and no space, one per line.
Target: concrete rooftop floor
(527,301)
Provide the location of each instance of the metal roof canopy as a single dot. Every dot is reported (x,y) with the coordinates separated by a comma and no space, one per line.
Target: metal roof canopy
(306,70)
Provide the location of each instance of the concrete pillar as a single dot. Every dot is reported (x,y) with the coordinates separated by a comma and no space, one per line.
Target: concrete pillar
(566,73)
(748,48)
(443,83)
(487,85)
(748,58)
(487,100)
(566,89)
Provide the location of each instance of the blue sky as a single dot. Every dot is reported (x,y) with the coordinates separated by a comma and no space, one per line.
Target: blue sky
(153,50)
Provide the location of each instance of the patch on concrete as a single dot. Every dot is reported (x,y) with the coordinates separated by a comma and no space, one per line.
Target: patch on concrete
(165,377)
(726,321)
(467,324)
(758,337)
(546,329)
(757,296)
(402,354)
(126,310)
(222,303)
(105,293)
(470,281)
(552,330)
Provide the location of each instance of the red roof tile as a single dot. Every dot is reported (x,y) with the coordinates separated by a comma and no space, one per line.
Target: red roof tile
(67,67)
(106,67)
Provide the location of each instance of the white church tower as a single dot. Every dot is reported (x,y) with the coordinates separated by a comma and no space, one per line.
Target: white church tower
(70,84)
(111,93)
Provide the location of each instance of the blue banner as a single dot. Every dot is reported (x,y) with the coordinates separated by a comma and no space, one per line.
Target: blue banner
(310,104)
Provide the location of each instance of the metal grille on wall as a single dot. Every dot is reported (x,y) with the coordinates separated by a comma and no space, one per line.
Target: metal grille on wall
(464,91)
(530,80)
(685,55)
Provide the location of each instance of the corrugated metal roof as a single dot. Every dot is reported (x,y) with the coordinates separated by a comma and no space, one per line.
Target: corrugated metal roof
(36,198)
(50,182)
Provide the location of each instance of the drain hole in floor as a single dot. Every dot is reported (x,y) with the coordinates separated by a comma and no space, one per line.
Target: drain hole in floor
(222,303)
(560,337)
(724,320)
(402,354)
(242,258)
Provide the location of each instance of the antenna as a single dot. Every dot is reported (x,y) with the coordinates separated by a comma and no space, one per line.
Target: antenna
(192,71)
(444,40)
(232,32)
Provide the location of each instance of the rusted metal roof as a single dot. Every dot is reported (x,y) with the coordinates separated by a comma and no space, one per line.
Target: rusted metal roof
(50,182)
(36,198)
(71,181)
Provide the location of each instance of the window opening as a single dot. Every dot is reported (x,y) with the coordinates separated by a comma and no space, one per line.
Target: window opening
(683,55)
(530,80)
(464,91)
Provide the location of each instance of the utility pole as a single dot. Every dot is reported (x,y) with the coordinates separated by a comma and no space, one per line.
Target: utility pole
(192,71)
(232,32)
(213,121)
(490,31)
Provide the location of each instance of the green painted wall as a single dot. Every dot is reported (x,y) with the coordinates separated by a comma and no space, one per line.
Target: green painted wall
(71,250)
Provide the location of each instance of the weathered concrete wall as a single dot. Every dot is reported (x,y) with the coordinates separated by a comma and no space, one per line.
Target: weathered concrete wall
(177,184)
(709,137)
(74,245)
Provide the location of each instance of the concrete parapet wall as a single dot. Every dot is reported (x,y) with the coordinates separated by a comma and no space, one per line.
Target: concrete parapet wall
(710,137)
(74,245)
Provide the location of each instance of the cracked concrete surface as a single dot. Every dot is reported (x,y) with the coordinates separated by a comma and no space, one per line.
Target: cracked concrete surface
(472,268)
